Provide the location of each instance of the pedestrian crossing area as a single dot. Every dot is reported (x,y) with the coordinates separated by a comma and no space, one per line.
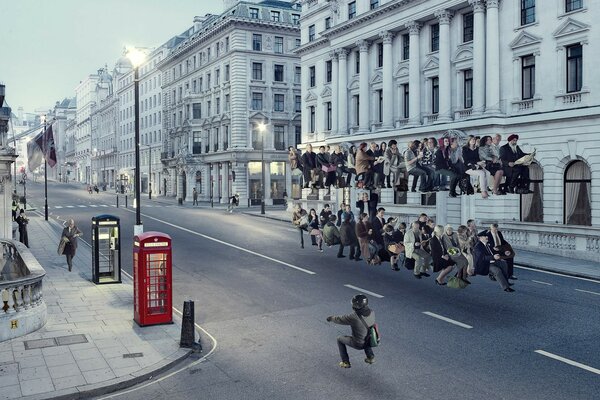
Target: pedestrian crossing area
(106,206)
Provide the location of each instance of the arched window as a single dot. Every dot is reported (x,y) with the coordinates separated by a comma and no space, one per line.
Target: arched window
(577,194)
(532,205)
(199,181)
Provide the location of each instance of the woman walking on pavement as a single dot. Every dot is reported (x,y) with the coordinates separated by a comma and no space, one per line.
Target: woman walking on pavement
(69,242)
(22,220)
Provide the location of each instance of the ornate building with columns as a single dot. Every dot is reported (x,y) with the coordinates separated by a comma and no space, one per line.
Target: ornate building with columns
(408,69)
(228,74)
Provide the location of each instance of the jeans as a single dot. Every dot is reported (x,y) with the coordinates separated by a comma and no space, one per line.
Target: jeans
(453,178)
(430,170)
(344,341)
(417,173)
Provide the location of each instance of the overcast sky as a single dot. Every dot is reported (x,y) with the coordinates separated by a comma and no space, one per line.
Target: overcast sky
(48,46)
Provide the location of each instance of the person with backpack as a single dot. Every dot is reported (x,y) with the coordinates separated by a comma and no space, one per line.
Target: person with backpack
(361,320)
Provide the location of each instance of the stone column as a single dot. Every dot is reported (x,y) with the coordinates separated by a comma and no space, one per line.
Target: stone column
(268,200)
(225,183)
(363,112)
(492,58)
(414,74)
(343,92)
(334,93)
(478,56)
(388,74)
(445,109)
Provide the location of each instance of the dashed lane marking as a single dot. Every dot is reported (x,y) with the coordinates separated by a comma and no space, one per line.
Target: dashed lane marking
(70,206)
(542,283)
(93,205)
(58,206)
(558,274)
(364,291)
(81,206)
(441,317)
(587,291)
(570,362)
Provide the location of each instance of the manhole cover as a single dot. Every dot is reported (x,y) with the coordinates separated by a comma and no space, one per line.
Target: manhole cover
(133,355)
(71,339)
(57,341)
(39,343)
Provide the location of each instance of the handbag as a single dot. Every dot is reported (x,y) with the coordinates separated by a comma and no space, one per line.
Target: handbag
(328,168)
(315,232)
(503,249)
(456,283)
(373,337)
(61,246)
(395,248)
(303,221)
(402,185)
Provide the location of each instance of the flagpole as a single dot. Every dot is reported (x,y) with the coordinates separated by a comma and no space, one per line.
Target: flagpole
(45,179)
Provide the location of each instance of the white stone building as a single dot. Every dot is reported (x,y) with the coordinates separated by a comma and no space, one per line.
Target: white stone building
(64,112)
(229,73)
(401,69)
(85,93)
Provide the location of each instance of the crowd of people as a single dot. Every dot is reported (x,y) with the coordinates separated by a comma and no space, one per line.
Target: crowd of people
(436,164)
(422,246)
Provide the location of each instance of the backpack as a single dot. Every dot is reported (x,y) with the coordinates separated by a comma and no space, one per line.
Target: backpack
(373,337)
(465,186)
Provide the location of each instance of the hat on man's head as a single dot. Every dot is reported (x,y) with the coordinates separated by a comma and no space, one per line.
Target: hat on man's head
(512,137)
(482,234)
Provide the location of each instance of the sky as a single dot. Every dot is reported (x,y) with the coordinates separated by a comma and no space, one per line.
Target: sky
(48,46)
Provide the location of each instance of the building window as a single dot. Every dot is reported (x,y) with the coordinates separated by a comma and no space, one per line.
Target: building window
(227,73)
(352,10)
(208,108)
(298,75)
(328,68)
(435,95)
(278,45)
(296,19)
(527,12)
(278,73)
(217,140)
(311,33)
(218,105)
(574,68)
(279,137)
(357,62)
(278,103)
(197,110)
(226,107)
(379,55)
(405,100)
(527,77)
(254,13)
(275,16)
(380,105)
(435,37)
(197,143)
(327,22)
(467,27)
(256,42)
(257,101)
(577,194)
(297,134)
(532,206)
(405,46)
(572,5)
(374,4)
(328,115)
(311,124)
(468,88)
(356,101)
(257,140)
(217,77)
(298,43)
(312,76)
(257,71)
(298,104)
(207,82)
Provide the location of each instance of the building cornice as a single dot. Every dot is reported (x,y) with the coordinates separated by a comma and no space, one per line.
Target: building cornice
(311,46)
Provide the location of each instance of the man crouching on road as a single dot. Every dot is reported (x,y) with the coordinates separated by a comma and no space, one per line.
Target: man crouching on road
(359,320)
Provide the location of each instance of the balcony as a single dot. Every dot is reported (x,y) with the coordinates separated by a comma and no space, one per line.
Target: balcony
(463,114)
(570,100)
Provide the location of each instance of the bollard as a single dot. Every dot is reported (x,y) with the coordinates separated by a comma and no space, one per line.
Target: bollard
(117,201)
(187,327)
(125,201)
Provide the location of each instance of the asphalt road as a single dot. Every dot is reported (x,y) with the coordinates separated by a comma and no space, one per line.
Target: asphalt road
(265,301)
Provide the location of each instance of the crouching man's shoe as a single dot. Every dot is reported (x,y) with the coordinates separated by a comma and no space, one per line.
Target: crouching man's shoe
(344,364)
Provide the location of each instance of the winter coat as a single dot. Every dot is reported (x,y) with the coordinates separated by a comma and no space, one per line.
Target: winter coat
(348,234)
(359,331)
(331,234)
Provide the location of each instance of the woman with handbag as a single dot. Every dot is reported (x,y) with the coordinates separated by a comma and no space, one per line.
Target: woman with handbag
(441,260)
(300,220)
(313,228)
(392,240)
(452,245)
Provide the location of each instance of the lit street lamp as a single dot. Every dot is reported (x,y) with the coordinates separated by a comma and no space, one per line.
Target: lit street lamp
(262,128)
(137,57)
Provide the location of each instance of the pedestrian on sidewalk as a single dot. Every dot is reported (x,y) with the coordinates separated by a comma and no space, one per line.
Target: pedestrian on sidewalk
(359,320)
(69,240)
(195,197)
(15,207)
(22,220)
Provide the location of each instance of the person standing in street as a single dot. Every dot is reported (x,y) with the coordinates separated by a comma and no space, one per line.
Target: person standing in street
(195,197)
(359,320)
(22,220)
(69,236)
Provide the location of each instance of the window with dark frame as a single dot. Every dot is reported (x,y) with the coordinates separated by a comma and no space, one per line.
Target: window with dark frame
(279,137)
(257,71)
(311,33)
(311,126)
(572,5)
(328,70)
(253,13)
(275,16)
(467,27)
(327,22)
(328,113)
(256,42)
(297,134)
(278,45)
(574,68)
(435,95)
(576,194)
(405,46)
(435,37)
(527,12)
(311,76)
(257,101)
(357,62)
(298,104)
(532,204)
(527,77)
(406,100)
(279,102)
(296,19)
(278,73)
(379,55)
(468,89)
(356,110)
(352,10)
(374,4)
(197,143)
(380,105)
(298,75)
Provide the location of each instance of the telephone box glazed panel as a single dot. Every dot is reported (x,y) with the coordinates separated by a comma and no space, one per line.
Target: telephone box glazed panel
(152,290)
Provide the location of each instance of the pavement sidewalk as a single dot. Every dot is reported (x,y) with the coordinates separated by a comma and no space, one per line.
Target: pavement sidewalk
(530,259)
(115,353)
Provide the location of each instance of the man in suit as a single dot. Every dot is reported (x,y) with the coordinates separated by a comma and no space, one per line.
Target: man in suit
(378,222)
(496,239)
(517,176)
(309,162)
(413,249)
(486,262)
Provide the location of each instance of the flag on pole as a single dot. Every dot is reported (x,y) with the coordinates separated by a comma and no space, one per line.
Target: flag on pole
(48,147)
(35,156)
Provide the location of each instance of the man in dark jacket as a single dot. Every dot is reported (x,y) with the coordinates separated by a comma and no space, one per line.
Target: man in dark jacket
(348,237)
(70,235)
(324,215)
(361,318)
(331,235)
(486,262)
(309,163)
(497,242)
(517,176)
(378,222)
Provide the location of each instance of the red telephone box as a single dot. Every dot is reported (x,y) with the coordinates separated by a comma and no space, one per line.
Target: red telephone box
(152,290)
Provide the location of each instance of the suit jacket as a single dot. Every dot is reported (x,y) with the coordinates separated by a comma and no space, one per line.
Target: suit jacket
(409,243)
(507,155)
(71,245)
(362,230)
(348,235)
(437,251)
(491,239)
(377,230)
(309,160)
(363,162)
(482,258)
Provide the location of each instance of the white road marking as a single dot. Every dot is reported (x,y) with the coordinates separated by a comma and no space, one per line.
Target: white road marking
(558,274)
(93,205)
(587,291)
(58,206)
(104,205)
(447,319)
(570,362)
(542,283)
(81,206)
(364,291)
(306,271)
(70,206)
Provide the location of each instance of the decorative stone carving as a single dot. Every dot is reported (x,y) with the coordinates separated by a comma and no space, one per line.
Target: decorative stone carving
(493,3)
(413,27)
(387,37)
(342,53)
(444,16)
(363,45)
(478,5)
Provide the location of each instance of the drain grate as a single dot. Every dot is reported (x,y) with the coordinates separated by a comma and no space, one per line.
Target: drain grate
(57,341)
(133,355)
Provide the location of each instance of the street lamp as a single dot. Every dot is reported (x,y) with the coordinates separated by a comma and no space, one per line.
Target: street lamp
(45,173)
(137,57)
(149,171)
(262,128)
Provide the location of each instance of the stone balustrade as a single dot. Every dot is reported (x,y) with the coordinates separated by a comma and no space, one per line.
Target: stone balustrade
(23,309)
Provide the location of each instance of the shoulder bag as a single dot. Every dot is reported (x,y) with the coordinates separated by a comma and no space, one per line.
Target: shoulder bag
(373,337)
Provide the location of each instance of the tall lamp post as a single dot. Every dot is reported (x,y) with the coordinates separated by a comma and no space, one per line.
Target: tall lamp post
(149,171)
(262,128)
(45,175)
(137,57)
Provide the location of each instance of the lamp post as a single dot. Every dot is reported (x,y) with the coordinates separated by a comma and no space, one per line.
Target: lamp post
(262,128)
(137,57)
(149,171)
(45,174)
